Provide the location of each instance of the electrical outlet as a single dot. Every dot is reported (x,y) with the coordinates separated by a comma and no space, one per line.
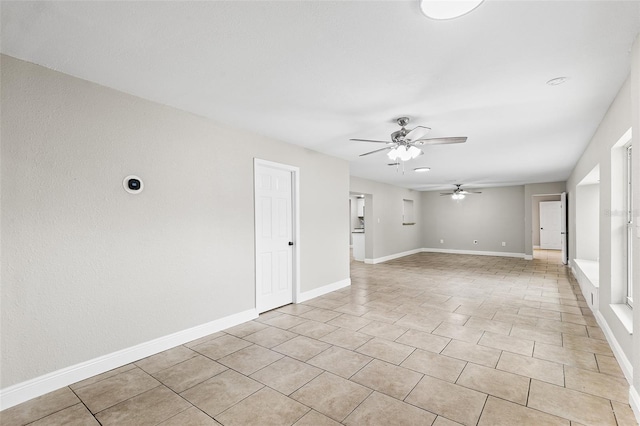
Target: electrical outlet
(504,244)
(475,241)
(441,241)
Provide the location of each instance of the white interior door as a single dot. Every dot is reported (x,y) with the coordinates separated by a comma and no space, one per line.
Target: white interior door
(274,236)
(563,228)
(550,224)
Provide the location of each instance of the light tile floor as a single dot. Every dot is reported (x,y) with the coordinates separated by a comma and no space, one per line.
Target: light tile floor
(428,339)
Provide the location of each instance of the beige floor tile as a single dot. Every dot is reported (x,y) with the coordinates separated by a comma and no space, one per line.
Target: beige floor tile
(302,348)
(149,408)
(313,418)
(511,387)
(348,339)
(285,321)
(382,410)
(76,415)
(387,378)
(474,353)
(286,375)
(313,329)
(540,313)
(295,309)
(352,309)
(265,407)
(383,330)
(439,366)
(340,361)
(189,373)
(111,391)
(563,327)
(250,359)
(595,333)
(569,309)
(580,319)
(386,350)
(507,343)
(165,359)
(422,340)
(570,404)
(350,322)
(514,318)
(204,339)
(99,377)
(270,337)
(576,358)
(190,417)
(546,371)
(596,346)
(320,315)
(609,365)
(624,414)
(598,384)
(498,412)
(221,392)
(497,327)
(39,407)
(449,400)
(536,334)
(222,346)
(443,421)
(419,323)
(384,316)
(458,332)
(246,328)
(332,395)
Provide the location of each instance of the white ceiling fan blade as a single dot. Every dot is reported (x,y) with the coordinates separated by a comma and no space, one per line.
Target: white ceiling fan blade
(438,141)
(370,140)
(377,150)
(418,132)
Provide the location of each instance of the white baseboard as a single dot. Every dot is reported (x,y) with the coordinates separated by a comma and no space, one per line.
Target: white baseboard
(634,401)
(392,256)
(316,292)
(475,252)
(21,392)
(536,247)
(625,364)
(528,257)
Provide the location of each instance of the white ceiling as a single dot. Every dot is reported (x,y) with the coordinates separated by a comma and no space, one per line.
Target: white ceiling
(316,73)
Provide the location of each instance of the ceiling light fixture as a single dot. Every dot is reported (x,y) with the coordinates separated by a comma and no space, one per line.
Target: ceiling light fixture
(447,9)
(421,169)
(457,196)
(557,81)
(403,153)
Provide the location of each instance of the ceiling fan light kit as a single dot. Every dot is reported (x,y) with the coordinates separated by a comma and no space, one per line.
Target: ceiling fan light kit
(404,143)
(459,193)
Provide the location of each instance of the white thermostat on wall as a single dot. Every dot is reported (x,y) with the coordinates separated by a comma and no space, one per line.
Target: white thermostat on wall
(133,184)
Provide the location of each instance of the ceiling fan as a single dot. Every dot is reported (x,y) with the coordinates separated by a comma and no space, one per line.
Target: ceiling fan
(404,142)
(459,193)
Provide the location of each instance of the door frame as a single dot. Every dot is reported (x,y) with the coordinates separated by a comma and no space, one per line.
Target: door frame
(295,219)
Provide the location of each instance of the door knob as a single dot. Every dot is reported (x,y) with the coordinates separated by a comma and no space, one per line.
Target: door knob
(290,243)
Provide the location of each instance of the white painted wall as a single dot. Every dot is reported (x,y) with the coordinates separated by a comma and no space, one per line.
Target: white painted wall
(88,269)
(624,113)
(492,217)
(635,121)
(587,222)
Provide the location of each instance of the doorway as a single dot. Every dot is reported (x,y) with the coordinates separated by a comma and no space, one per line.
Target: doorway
(276,234)
(550,215)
